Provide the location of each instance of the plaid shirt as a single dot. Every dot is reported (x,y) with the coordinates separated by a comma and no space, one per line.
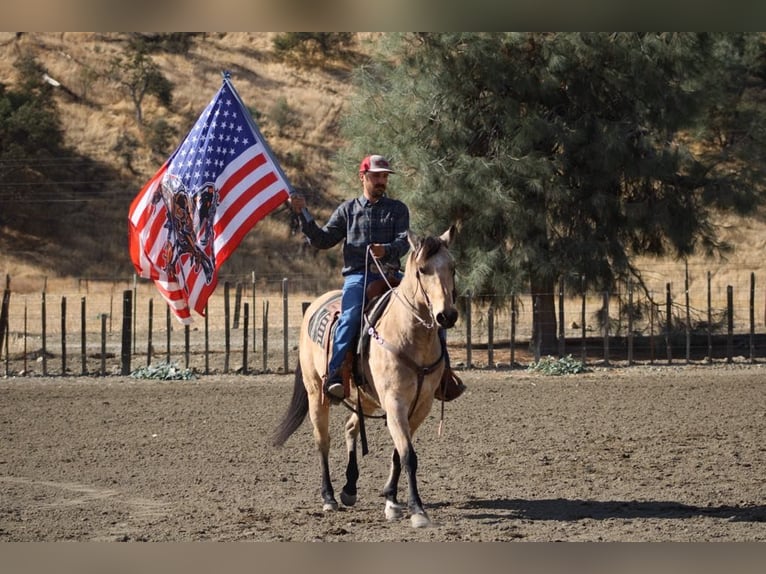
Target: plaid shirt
(361,223)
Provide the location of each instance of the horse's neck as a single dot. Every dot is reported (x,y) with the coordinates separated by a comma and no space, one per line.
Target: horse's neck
(405,318)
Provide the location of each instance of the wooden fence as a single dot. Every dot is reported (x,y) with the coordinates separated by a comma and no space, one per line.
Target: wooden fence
(250,332)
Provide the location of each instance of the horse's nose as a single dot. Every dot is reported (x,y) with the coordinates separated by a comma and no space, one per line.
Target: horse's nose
(447,319)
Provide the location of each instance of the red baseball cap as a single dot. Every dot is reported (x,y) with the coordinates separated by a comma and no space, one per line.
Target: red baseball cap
(375,164)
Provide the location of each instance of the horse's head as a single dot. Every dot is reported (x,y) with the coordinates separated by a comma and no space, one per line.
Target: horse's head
(434,271)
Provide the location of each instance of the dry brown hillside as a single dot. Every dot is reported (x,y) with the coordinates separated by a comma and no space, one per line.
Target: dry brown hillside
(98,114)
(95,114)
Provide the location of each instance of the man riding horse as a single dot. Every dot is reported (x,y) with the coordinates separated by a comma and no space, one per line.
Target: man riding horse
(373,223)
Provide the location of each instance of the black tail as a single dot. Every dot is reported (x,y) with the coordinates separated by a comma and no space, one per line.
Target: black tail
(296,412)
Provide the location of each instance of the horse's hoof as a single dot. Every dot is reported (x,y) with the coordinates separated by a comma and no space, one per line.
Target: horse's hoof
(330,506)
(394,511)
(347,499)
(419,521)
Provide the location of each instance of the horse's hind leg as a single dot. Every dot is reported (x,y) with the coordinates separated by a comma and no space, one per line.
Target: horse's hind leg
(320,418)
(348,494)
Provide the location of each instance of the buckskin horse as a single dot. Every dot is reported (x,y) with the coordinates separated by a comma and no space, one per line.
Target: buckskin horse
(399,370)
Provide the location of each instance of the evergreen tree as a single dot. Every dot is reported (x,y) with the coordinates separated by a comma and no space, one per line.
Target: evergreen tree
(560,155)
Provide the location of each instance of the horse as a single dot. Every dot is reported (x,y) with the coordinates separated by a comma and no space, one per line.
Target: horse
(401,370)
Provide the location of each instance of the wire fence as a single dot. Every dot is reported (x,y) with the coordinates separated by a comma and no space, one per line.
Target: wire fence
(252,326)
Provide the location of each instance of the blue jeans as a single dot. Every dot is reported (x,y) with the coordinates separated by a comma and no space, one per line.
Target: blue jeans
(349,321)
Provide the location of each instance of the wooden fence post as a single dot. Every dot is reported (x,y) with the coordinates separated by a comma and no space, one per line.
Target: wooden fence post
(63,336)
(44,349)
(127,330)
(168,329)
(688,313)
(226,323)
(83,339)
(265,333)
(709,320)
(207,341)
(513,329)
(669,322)
(4,321)
(103,344)
(752,317)
(606,328)
(187,346)
(730,326)
(245,332)
(562,332)
(490,336)
(468,330)
(584,352)
(149,332)
(630,323)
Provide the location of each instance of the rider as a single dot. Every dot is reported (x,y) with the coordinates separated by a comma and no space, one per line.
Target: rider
(372,221)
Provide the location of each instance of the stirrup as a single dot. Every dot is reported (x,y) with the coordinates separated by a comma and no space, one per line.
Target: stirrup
(450,387)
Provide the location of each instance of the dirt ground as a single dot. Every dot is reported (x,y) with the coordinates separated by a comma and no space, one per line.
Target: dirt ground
(645,453)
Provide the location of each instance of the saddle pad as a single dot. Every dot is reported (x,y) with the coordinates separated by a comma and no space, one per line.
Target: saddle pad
(321,321)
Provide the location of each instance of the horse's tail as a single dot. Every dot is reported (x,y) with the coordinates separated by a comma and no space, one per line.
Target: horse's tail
(296,411)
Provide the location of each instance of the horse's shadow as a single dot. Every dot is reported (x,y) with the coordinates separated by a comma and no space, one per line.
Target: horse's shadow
(564,509)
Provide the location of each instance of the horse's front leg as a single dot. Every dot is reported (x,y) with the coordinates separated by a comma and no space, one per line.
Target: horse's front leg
(348,494)
(418,516)
(393,510)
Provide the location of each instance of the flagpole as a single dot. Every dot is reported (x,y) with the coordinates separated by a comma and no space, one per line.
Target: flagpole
(227,80)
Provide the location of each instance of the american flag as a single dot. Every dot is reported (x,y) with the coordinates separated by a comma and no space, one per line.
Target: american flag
(191,216)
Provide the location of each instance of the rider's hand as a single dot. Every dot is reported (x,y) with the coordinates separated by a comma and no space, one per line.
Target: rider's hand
(297,202)
(378,250)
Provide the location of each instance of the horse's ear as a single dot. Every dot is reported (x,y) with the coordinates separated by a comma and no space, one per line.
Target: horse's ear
(448,236)
(414,241)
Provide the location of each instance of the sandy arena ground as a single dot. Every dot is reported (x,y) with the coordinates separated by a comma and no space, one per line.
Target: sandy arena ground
(646,453)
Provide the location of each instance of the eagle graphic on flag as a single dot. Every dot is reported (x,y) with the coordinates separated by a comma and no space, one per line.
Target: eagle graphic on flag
(193,213)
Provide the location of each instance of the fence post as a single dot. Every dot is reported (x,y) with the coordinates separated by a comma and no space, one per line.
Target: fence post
(584,352)
(44,336)
(187,349)
(207,341)
(103,344)
(513,329)
(688,313)
(668,322)
(149,333)
(63,336)
(630,323)
(168,328)
(253,307)
(245,332)
(709,321)
(562,335)
(468,330)
(752,317)
(226,323)
(730,329)
(127,330)
(490,336)
(651,327)
(83,337)
(265,333)
(4,322)
(284,324)
(606,328)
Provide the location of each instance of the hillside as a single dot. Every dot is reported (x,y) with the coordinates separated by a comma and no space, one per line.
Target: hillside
(96,115)
(84,234)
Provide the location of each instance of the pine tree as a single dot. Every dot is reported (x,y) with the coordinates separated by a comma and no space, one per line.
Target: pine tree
(559,155)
